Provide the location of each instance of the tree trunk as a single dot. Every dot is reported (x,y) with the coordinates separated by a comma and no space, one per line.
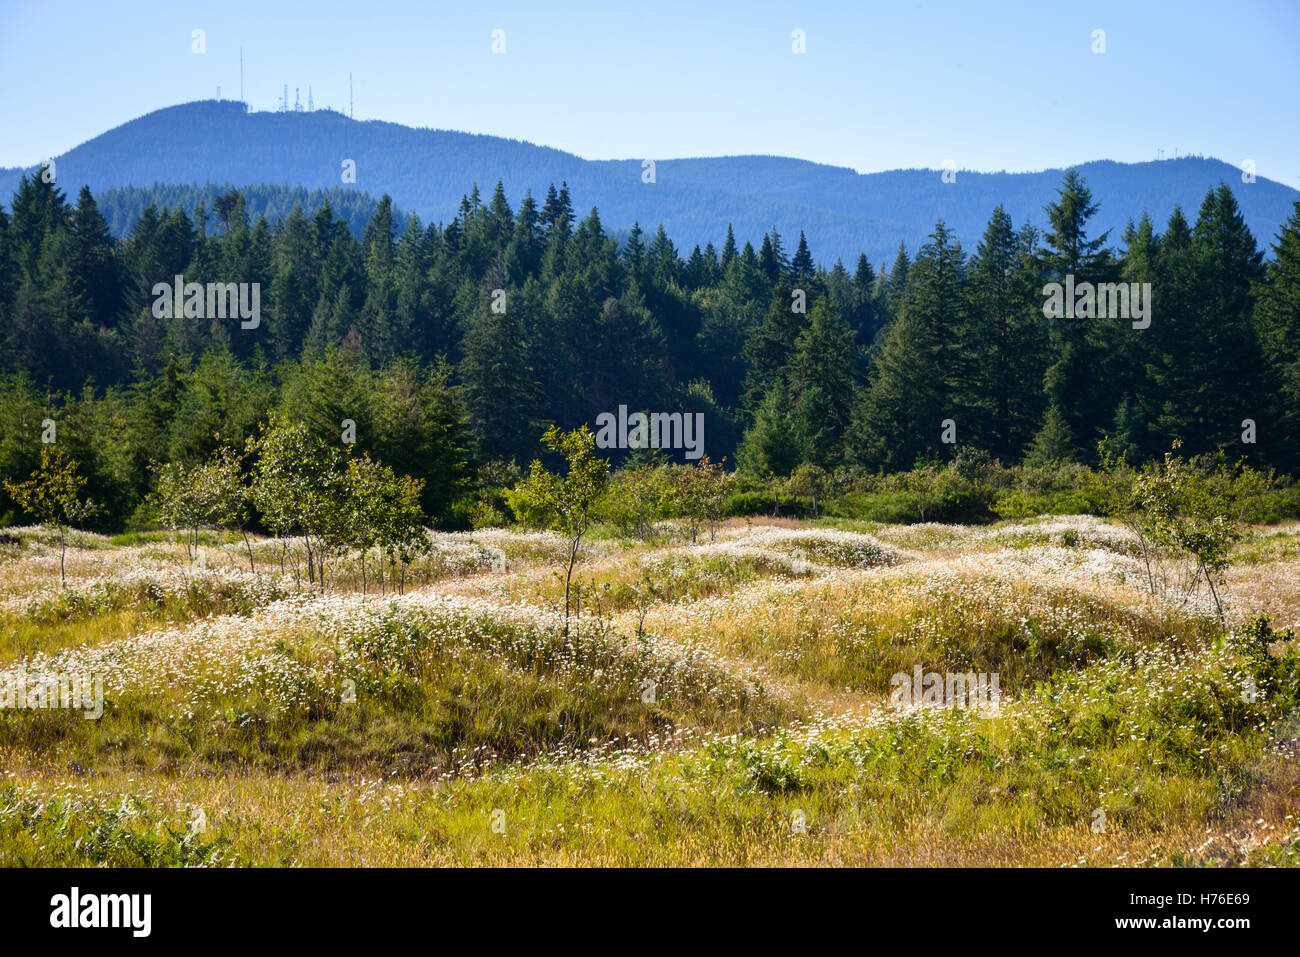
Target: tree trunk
(568,576)
(1213,592)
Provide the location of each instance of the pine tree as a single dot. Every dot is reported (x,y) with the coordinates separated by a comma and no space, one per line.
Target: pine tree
(864,312)
(634,255)
(39,210)
(524,254)
(771,446)
(1204,373)
(1278,316)
(1002,349)
(557,215)
(1228,356)
(895,281)
(912,390)
(801,268)
(771,259)
(500,217)
(1085,399)
(1169,375)
(823,379)
(500,381)
(1128,434)
(293,287)
(1137,351)
(771,345)
(729,248)
(95,271)
(379,242)
(1053,443)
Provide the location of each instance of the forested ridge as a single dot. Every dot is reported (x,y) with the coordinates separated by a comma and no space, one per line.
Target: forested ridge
(122,206)
(452,347)
(426,171)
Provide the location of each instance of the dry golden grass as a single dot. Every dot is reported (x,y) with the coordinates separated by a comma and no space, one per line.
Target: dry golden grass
(768,738)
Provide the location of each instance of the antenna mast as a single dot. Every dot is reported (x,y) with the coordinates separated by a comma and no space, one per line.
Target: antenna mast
(351,115)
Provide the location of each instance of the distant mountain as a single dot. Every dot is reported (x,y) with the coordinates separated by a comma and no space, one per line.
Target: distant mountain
(428,171)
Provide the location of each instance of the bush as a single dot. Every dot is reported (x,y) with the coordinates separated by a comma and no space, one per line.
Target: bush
(635,499)
(750,502)
(1019,504)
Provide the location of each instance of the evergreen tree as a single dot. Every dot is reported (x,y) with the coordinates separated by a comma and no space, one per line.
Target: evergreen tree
(771,445)
(95,271)
(823,379)
(1226,351)
(895,281)
(1002,350)
(1138,349)
(912,390)
(1206,371)
(391,325)
(801,267)
(1053,443)
(500,380)
(1278,317)
(1080,343)
(771,345)
(729,248)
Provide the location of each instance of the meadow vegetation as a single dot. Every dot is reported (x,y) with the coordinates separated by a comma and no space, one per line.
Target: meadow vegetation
(720,693)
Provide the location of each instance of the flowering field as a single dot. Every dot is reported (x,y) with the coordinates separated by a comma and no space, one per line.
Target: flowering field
(732,701)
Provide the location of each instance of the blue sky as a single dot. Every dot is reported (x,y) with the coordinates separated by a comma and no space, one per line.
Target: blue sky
(1013,86)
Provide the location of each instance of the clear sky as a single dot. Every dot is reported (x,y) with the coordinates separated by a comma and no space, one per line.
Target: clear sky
(1003,85)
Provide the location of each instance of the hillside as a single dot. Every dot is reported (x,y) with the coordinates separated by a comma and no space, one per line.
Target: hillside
(121,206)
(428,171)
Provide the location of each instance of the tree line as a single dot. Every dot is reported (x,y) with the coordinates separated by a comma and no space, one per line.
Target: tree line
(444,351)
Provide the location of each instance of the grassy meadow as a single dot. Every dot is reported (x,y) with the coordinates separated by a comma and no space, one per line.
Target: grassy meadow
(722,702)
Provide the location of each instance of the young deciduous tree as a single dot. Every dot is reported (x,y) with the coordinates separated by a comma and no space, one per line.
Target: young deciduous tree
(1183,510)
(636,498)
(402,534)
(700,493)
(212,493)
(564,503)
(810,480)
(178,505)
(224,495)
(52,496)
(375,507)
(293,484)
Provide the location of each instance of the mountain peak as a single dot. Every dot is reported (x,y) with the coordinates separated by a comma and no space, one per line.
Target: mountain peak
(427,171)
